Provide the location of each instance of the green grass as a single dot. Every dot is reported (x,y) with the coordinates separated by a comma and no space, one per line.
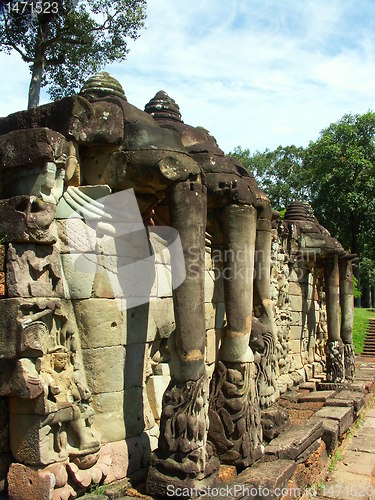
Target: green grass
(361,320)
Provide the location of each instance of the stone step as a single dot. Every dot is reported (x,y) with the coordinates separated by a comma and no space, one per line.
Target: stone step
(292,442)
(316,396)
(347,398)
(343,415)
(261,476)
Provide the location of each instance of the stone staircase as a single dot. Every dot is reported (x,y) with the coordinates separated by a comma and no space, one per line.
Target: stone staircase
(369,348)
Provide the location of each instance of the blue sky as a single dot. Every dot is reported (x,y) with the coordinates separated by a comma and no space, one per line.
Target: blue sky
(255,73)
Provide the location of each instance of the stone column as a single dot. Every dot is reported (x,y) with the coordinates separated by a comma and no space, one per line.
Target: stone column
(262,292)
(235,427)
(334,346)
(183,458)
(347,311)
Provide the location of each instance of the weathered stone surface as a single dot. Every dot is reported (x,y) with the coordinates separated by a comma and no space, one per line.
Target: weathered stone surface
(348,398)
(119,414)
(25,482)
(30,147)
(330,433)
(33,271)
(73,117)
(156,386)
(308,452)
(364,441)
(344,416)
(295,440)
(26,219)
(267,475)
(101,322)
(79,274)
(105,368)
(126,458)
(316,396)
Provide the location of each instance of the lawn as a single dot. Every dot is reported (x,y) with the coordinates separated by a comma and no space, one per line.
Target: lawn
(361,320)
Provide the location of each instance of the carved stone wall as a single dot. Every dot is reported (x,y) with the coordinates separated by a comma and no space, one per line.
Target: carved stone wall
(84,367)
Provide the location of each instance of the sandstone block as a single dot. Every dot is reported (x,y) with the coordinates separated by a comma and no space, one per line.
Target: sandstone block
(101,322)
(270,475)
(24,482)
(30,147)
(156,386)
(105,368)
(344,416)
(119,414)
(295,440)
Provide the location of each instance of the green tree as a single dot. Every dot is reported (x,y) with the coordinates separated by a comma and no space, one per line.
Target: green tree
(279,173)
(341,170)
(65,41)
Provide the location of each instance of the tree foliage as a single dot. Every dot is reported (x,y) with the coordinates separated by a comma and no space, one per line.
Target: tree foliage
(65,41)
(341,176)
(336,174)
(279,173)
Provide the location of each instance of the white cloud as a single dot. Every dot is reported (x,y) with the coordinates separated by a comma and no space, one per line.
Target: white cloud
(258,74)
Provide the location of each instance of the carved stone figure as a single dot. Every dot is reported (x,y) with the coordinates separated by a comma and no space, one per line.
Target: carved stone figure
(242,210)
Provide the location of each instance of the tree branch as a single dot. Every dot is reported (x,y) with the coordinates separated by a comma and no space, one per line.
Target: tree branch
(10,42)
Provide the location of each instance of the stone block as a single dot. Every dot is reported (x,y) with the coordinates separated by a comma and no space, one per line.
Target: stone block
(118,414)
(295,333)
(79,274)
(9,336)
(344,416)
(150,321)
(20,335)
(316,397)
(295,440)
(295,346)
(306,454)
(101,322)
(135,365)
(33,271)
(330,434)
(126,458)
(105,368)
(25,482)
(295,318)
(220,318)
(213,338)
(310,386)
(348,398)
(31,442)
(210,314)
(163,278)
(295,288)
(156,386)
(209,285)
(266,476)
(30,147)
